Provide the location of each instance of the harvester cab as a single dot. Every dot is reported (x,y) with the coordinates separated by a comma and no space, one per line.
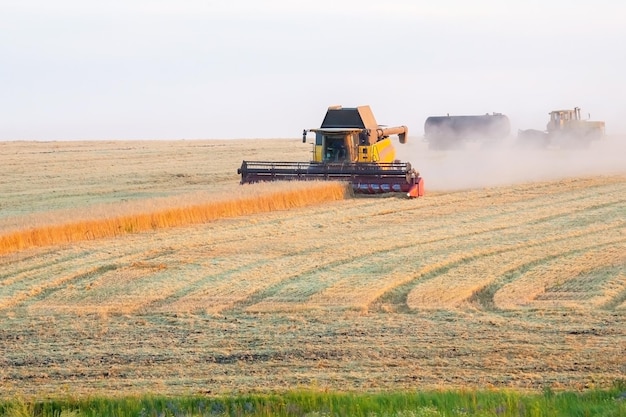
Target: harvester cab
(352,135)
(349,146)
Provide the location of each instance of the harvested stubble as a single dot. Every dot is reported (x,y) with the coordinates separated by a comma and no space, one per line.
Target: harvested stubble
(538,282)
(259,200)
(324,296)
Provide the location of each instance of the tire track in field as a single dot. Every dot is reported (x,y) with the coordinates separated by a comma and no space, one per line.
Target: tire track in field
(431,219)
(17,267)
(499,200)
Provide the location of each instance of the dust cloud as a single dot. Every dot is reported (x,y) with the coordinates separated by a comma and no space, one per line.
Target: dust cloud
(507,164)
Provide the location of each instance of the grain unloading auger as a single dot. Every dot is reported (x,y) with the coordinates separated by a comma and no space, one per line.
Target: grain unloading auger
(349,146)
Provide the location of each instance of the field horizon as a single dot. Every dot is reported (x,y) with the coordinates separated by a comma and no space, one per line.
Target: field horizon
(510,273)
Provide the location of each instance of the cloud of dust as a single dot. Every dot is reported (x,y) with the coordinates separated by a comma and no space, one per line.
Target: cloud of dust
(507,164)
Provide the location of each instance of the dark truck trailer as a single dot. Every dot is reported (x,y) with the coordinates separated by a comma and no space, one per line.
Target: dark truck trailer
(444,132)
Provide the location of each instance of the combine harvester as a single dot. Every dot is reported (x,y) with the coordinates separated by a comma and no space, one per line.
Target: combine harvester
(349,146)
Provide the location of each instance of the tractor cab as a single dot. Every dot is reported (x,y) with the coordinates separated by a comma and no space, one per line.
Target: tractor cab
(559,119)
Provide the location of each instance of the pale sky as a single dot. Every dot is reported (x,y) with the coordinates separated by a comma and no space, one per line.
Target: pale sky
(149,69)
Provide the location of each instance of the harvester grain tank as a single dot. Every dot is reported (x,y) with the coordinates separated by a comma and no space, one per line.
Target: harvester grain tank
(349,146)
(445,132)
(565,129)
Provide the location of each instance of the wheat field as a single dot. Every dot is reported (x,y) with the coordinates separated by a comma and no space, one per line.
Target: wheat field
(144,267)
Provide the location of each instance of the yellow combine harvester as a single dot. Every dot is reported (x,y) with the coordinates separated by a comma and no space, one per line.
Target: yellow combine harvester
(349,146)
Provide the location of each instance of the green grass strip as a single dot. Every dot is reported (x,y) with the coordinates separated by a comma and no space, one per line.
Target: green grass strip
(497,403)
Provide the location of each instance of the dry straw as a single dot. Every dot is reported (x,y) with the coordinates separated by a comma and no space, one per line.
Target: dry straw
(256,201)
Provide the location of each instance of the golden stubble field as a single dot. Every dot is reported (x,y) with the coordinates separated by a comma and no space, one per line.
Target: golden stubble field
(511,272)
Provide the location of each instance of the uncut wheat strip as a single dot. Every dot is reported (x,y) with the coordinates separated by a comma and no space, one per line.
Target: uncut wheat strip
(85,259)
(101,228)
(220,294)
(222,274)
(453,288)
(525,289)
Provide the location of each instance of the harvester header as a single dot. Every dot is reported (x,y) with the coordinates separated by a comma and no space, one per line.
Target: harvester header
(350,146)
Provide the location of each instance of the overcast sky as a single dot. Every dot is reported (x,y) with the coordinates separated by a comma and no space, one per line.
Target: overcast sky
(150,69)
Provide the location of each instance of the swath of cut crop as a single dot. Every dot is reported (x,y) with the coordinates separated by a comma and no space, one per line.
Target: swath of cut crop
(290,196)
(310,268)
(225,284)
(121,290)
(570,282)
(52,273)
(395,260)
(360,277)
(455,287)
